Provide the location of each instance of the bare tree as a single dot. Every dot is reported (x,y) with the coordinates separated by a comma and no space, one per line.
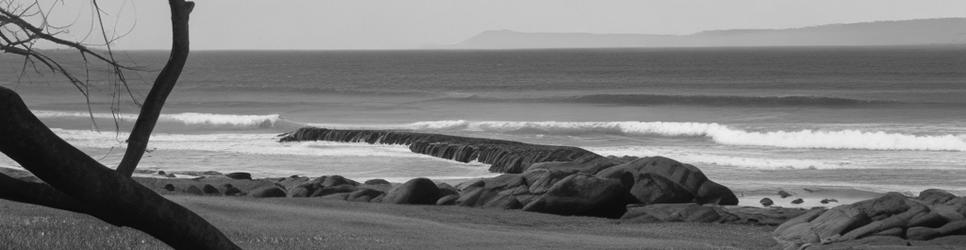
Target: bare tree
(72,180)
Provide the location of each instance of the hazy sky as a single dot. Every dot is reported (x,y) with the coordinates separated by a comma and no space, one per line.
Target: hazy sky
(403,24)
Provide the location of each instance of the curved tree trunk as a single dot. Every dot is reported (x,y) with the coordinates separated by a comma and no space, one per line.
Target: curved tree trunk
(100,190)
(77,182)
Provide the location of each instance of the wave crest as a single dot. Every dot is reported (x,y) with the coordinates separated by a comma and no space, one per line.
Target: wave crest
(722,134)
(190,118)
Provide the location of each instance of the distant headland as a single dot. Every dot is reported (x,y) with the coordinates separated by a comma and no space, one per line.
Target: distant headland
(939,31)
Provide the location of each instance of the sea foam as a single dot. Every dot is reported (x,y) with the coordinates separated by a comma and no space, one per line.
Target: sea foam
(722,134)
(190,118)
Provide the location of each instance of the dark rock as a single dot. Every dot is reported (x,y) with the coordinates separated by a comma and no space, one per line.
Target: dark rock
(893,214)
(925,233)
(267,191)
(798,201)
(767,202)
(300,191)
(364,195)
(377,182)
(447,189)
(447,200)
(480,192)
(759,216)
(415,191)
(321,186)
(193,190)
(688,177)
(935,196)
(587,165)
(682,212)
(651,189)
(784,194)
(209,189)
(239,176)
(232,190)
(327,190)
(540,180)
(169,187)
(336,180)
(582,194)
(503,156)
(827,201)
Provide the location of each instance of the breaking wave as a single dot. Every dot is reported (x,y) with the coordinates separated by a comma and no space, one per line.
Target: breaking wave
(722,134)
(191,119)
(698,100)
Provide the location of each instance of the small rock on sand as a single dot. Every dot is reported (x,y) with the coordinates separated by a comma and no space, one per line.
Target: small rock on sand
(767,202)
(798,201)
(784,194)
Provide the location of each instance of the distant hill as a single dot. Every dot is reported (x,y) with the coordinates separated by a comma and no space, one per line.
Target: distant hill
(882,33)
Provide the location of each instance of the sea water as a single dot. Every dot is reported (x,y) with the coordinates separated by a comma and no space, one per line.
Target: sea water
(877,119)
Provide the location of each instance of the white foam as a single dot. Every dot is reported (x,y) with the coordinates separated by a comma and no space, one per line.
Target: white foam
(190,118)
(256,144)
(722,134)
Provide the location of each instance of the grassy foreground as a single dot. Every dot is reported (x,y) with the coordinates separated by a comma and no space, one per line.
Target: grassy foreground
(311,223)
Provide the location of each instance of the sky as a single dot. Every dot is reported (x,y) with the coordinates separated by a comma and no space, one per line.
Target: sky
(413,24)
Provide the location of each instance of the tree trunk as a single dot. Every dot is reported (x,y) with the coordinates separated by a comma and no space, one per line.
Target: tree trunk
(102,191)
(76,182)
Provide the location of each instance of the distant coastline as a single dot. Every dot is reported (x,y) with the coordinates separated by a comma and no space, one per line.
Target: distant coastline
(939,31)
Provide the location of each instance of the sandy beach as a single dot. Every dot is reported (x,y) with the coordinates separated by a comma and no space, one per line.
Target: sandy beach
(283,223)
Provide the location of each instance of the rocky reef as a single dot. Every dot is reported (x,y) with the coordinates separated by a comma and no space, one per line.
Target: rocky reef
(503,156)
(934,219)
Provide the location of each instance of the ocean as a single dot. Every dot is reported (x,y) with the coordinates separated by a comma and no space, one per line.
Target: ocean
(874,119)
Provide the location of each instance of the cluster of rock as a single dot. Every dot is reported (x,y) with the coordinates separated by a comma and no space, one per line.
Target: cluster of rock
(933,218)
(590,188)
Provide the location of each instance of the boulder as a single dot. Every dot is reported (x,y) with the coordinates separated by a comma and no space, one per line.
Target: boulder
(935,196)
(687,177)
(771,216)
(267,191)
(327,190)
(364,195)
(798,201)
(231,190)
(766,202)
(377,182)
(540,180)
(687,212)
(336,180)
(324,185)
(415,191)
(828,200)
(447,189)
(891,215)
(239,176)
(210,190)
(447,200)
(587,165)
(169,187)
(478,193)
(784,194)
(651,189)
(582,194)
